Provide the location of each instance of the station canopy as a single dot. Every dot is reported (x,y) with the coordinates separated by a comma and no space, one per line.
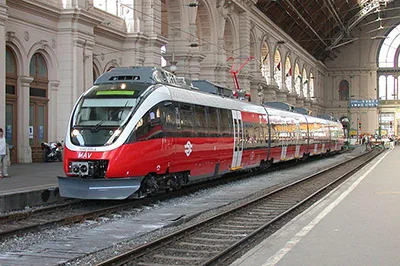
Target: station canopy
(321,26)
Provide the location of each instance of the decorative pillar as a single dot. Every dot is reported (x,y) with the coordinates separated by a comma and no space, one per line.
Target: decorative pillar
(24,149)
(224,10)
(152,27)
(291,97)
(3,19)
(137,16)
(272,67)
(77,3)
(53,99)
(283,91)
(78,65)
(133,49)
(87,64)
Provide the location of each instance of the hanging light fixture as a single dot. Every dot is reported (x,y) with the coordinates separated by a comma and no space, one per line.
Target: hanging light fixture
(173,63)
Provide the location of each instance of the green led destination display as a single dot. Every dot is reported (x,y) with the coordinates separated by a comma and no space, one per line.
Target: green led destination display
(113,92)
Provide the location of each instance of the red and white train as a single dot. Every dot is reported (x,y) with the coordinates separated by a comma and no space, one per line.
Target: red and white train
(137,132)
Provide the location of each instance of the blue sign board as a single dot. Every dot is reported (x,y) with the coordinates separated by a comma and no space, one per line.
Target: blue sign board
(364,103)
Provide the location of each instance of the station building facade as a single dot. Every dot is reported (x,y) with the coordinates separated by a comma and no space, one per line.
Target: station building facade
(53,50)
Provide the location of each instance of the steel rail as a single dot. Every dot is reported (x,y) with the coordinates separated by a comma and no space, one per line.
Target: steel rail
(218,257)
(147,248)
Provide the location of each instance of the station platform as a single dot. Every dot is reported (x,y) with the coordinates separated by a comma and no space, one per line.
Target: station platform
(356,224)
(29,185)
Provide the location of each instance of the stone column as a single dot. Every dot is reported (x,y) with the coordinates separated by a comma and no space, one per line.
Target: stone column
(307,90)
(53,99)
(88,64)
(138,16)
(3,19)
(270,92)
(77,3)
(257,91)
(301,88)
(272,67)
(152,28)
(24,149)
(291,98)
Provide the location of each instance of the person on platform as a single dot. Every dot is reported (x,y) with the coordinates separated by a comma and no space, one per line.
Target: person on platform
(391,142)
(3,155)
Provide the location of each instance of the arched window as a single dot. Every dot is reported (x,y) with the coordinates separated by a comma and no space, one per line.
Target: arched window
(288,74)
(265,62)
(388,62)
(344,88)
(278,68)
(297,79)
(11,102)
(38,105)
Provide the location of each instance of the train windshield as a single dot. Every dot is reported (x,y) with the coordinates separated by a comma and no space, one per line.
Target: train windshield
(102,113)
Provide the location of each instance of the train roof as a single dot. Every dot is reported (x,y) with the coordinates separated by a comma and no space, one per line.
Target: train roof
(151,75)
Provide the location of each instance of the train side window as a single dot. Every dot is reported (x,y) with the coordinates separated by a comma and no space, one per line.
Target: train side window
(187,121)
(148,127)
(200,120)
(226,123)
(168,116)
(274,135)
(213,125)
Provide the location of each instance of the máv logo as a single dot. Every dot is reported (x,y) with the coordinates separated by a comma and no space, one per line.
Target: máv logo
(84,155)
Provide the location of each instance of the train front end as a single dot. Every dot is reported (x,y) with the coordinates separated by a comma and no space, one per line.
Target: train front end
(98,130)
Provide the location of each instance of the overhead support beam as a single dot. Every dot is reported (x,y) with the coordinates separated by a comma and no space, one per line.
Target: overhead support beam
(334,13)
(354,21)
(306,22)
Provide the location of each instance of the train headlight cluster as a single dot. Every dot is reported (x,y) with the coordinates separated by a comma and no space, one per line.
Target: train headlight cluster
(79,168)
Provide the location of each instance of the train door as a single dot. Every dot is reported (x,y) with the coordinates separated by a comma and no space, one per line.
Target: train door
(238,139)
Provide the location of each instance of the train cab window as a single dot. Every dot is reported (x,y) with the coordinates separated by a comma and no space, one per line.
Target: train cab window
(200,120)
(187,120)
(213,125)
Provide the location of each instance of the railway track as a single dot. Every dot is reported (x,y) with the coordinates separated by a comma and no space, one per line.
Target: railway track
(214,240)
(77,211)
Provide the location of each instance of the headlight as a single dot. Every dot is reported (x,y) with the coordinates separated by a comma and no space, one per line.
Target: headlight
(75,132)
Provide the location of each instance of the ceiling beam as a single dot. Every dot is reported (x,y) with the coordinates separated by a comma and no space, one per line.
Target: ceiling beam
(365,11)
(335,15)
(306,22)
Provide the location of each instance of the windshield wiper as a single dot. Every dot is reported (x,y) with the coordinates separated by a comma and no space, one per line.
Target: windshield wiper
(96,127)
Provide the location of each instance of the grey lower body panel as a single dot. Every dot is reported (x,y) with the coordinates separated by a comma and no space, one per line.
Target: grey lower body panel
(112,188)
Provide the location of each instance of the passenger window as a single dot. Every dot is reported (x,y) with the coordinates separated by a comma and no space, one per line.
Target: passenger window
(201,122)
(148,127)
(168,116)
(213,125)
(226,123)
(186,113)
